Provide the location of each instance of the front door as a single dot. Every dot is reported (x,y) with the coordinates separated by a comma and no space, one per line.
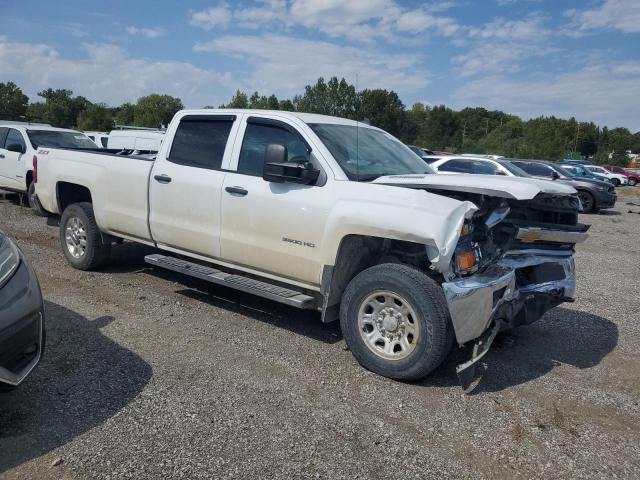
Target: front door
(10,161)
(185,186)
(276,228)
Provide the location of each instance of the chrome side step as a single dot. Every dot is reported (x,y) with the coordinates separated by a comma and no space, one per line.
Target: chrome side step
(239,282)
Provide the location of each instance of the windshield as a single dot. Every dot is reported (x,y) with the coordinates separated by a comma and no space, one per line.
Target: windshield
(59,139)
(561,171)
(517,171)
(365,154)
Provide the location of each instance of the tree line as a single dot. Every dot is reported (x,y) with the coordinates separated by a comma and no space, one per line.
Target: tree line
(470,130)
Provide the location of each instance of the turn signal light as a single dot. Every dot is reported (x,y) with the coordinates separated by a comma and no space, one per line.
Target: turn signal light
(466,261)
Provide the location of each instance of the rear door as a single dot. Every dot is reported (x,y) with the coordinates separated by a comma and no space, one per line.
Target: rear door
(10,161)
(186,184)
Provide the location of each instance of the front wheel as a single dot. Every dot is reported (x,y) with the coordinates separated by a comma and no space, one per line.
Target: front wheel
(82,243)
(34,203)
(587,201)
(616,182)
(395,321)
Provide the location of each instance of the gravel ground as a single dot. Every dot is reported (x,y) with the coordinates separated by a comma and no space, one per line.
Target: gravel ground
(151,375)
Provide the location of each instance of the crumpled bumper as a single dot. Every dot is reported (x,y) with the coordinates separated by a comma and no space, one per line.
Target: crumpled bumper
(502,291)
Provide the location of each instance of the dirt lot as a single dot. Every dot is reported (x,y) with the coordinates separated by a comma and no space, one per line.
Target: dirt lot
(150,375)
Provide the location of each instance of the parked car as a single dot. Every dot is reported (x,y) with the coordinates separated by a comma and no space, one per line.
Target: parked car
(101,139)
(22,327)
(570,161)
(616,178)
(477,166)
(18,145)
(407,260)
(581,171)
(633,177)
(594,194)
(135,139)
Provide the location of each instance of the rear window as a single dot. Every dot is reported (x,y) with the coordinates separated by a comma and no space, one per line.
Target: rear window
(200,142)
(54,139)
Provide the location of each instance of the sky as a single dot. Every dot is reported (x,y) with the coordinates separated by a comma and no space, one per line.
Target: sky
(527,57)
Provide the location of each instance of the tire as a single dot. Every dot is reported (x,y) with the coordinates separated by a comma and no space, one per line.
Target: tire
(431,324)
(616,182)
(632,182)
(34,203)
(587,200)
(90,251)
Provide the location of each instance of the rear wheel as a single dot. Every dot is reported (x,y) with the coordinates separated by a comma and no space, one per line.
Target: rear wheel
(82,243)
(587,201)
(395,321)
(632,182)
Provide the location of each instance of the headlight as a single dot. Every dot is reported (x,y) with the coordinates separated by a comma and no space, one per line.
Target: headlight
(603,188)
(467,254)
(9,259)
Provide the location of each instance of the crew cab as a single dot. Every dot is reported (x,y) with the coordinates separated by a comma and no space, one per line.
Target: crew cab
(18,145)
(289,206)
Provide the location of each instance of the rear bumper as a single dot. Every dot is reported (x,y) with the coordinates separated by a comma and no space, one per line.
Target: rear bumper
(518,290)
(22,325)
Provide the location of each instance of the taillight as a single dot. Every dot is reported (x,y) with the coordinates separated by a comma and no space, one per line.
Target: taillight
(35,168)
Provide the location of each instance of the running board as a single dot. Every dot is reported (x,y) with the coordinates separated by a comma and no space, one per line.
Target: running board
(239,282)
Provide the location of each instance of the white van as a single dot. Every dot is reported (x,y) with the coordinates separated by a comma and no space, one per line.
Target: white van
(135,140)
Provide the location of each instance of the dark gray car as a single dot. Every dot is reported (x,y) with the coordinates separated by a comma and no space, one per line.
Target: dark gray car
(22,333)
(594,194)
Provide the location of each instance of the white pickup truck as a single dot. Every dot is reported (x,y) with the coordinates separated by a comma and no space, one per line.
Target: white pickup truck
(326,214)
(19,142)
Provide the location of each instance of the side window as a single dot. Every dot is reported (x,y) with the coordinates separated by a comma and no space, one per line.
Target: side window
(536,169)
(200,142)
(458,166)
(484,168)
(104,141)
(14,136)
(3,132)
(254,147)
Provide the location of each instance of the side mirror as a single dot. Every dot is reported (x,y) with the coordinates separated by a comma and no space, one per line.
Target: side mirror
(500,172)
(555,175)
(278,170)
(15,147)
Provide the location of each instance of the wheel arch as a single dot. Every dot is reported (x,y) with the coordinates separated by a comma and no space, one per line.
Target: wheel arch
(68,193)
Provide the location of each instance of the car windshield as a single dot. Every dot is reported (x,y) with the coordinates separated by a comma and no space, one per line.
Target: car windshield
(561,171)
(365,153)
(577,171)
(517,171)
(60,139)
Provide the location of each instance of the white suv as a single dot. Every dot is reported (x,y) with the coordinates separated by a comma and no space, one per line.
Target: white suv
(19,143)
(616,178)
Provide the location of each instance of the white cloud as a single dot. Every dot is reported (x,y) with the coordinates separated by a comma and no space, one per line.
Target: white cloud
(608,94)
(623,15)
(108,74)
(212,17)
(530,28)
(154,32)
(283,65)
(362,20)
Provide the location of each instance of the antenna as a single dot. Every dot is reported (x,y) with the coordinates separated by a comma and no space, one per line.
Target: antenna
(357,131)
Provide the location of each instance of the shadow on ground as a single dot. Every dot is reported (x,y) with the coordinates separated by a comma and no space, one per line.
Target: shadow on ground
(83,379)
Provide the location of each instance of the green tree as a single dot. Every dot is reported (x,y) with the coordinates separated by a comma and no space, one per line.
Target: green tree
(287,105)
(383,109)
(13,103)
(337,98)
(96,117)
(441,131)
(239,100)
(155,110)
(60,107)
(125,113)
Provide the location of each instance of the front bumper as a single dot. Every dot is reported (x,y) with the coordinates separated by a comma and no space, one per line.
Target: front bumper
(517,290)
(605,199)
(22,325)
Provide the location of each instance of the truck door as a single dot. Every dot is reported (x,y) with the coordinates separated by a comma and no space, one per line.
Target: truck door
(186,184)
(10,161)
(272,227)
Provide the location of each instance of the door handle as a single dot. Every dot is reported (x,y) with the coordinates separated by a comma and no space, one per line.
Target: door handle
(162,178)
(239,191)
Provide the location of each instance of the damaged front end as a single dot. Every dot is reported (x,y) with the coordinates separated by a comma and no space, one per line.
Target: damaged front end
(523,267)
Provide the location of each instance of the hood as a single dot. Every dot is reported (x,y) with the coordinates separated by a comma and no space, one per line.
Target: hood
(585,181)
(518,188)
